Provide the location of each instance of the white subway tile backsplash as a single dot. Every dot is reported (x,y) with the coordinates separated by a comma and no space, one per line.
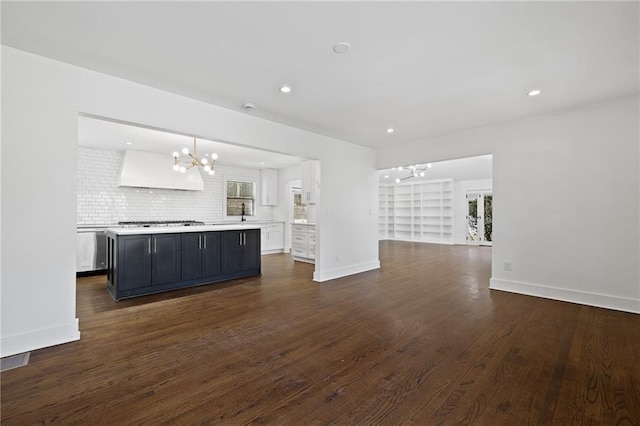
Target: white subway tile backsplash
(101,201)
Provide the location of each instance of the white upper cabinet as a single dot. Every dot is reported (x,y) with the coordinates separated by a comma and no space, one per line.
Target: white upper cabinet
(310,181)
(269,184)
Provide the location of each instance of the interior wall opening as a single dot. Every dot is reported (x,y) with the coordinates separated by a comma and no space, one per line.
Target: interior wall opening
(428,202)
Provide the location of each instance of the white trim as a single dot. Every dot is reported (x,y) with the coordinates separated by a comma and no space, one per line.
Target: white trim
(567,295)
(447,243)
(321,276)
(38,339)
(271,251)
(256,201)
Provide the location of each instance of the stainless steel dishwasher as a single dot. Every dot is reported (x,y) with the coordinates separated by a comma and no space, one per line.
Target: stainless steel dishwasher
(91,250)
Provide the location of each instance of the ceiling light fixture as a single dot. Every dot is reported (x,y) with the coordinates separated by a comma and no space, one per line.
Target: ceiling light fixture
(248,106)
(390,130)
(128,143)
(285,89)
(534,92)
(192,160)
(414,172)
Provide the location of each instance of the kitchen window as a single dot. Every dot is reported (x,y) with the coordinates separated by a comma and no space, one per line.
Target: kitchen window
(240,198)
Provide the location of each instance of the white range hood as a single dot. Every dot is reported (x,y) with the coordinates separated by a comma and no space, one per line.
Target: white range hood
(152,170)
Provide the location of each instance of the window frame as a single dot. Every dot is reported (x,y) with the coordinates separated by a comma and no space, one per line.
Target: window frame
(254,197)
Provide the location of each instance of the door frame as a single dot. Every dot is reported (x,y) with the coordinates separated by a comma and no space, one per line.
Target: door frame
(480,194)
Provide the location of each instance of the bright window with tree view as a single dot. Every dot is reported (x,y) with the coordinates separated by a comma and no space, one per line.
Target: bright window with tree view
(240,198)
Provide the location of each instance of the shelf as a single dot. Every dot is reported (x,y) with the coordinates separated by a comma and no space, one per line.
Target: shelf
(421,211)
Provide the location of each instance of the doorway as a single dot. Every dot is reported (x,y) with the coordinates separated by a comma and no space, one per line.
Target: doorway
(480,218)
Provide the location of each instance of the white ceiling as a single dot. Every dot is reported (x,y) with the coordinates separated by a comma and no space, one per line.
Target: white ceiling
(105,134)
(423,68)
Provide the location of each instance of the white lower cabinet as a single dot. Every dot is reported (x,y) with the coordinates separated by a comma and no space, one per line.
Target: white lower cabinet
(303,242)
(272,238)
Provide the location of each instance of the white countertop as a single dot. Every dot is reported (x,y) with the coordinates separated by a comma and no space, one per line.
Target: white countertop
(182,229)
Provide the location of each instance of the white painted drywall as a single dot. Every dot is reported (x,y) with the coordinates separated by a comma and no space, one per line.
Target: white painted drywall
(566,200)
(41,100)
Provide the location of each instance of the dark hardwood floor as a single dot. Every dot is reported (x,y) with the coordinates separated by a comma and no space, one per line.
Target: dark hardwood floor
(421,341)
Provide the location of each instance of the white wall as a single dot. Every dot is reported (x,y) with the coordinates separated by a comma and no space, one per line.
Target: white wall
(460,188)
(41,100)
(566,200)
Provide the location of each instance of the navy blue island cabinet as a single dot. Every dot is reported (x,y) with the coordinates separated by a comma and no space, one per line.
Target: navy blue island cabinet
(145,263)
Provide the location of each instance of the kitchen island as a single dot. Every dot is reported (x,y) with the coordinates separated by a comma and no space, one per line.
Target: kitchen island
(149,260)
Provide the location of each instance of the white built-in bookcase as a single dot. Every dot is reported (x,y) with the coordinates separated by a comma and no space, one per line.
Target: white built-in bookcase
(420,211)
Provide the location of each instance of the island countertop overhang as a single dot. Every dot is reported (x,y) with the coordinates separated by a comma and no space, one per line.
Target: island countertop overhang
(181,229)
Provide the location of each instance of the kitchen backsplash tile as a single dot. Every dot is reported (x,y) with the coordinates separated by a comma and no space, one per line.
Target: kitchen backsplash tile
(101,201)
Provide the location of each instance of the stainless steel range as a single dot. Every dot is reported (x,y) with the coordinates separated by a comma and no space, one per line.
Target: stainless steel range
(153,223)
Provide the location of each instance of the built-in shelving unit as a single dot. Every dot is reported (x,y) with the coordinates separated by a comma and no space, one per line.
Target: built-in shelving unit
(421,211)
(385,212)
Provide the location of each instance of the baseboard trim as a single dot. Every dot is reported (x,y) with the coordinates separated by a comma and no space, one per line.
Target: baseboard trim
(567,295)
(346,271)
(39,339)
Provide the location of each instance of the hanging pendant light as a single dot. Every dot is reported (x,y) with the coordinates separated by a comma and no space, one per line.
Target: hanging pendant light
(188,159)
(414,171)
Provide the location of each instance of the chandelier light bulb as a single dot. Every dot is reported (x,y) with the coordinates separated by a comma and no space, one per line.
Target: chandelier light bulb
(176,167)
(183,169)
(212,172)
(400,168)
(214,156)
(204,161)
(207,168)
(397,180)
(421,174)
(428,165)
(176,155)
(185,151)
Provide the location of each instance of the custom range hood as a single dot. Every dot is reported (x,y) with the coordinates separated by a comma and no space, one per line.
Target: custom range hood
(152,170)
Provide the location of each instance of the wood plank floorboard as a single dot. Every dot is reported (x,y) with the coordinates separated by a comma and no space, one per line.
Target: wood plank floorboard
(420,341)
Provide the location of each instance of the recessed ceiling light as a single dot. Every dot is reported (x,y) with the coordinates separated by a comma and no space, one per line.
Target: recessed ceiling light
(342,47)
(248,106)
(534,92)
(390,130)
(262,163)
(128,143)
(285,89)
